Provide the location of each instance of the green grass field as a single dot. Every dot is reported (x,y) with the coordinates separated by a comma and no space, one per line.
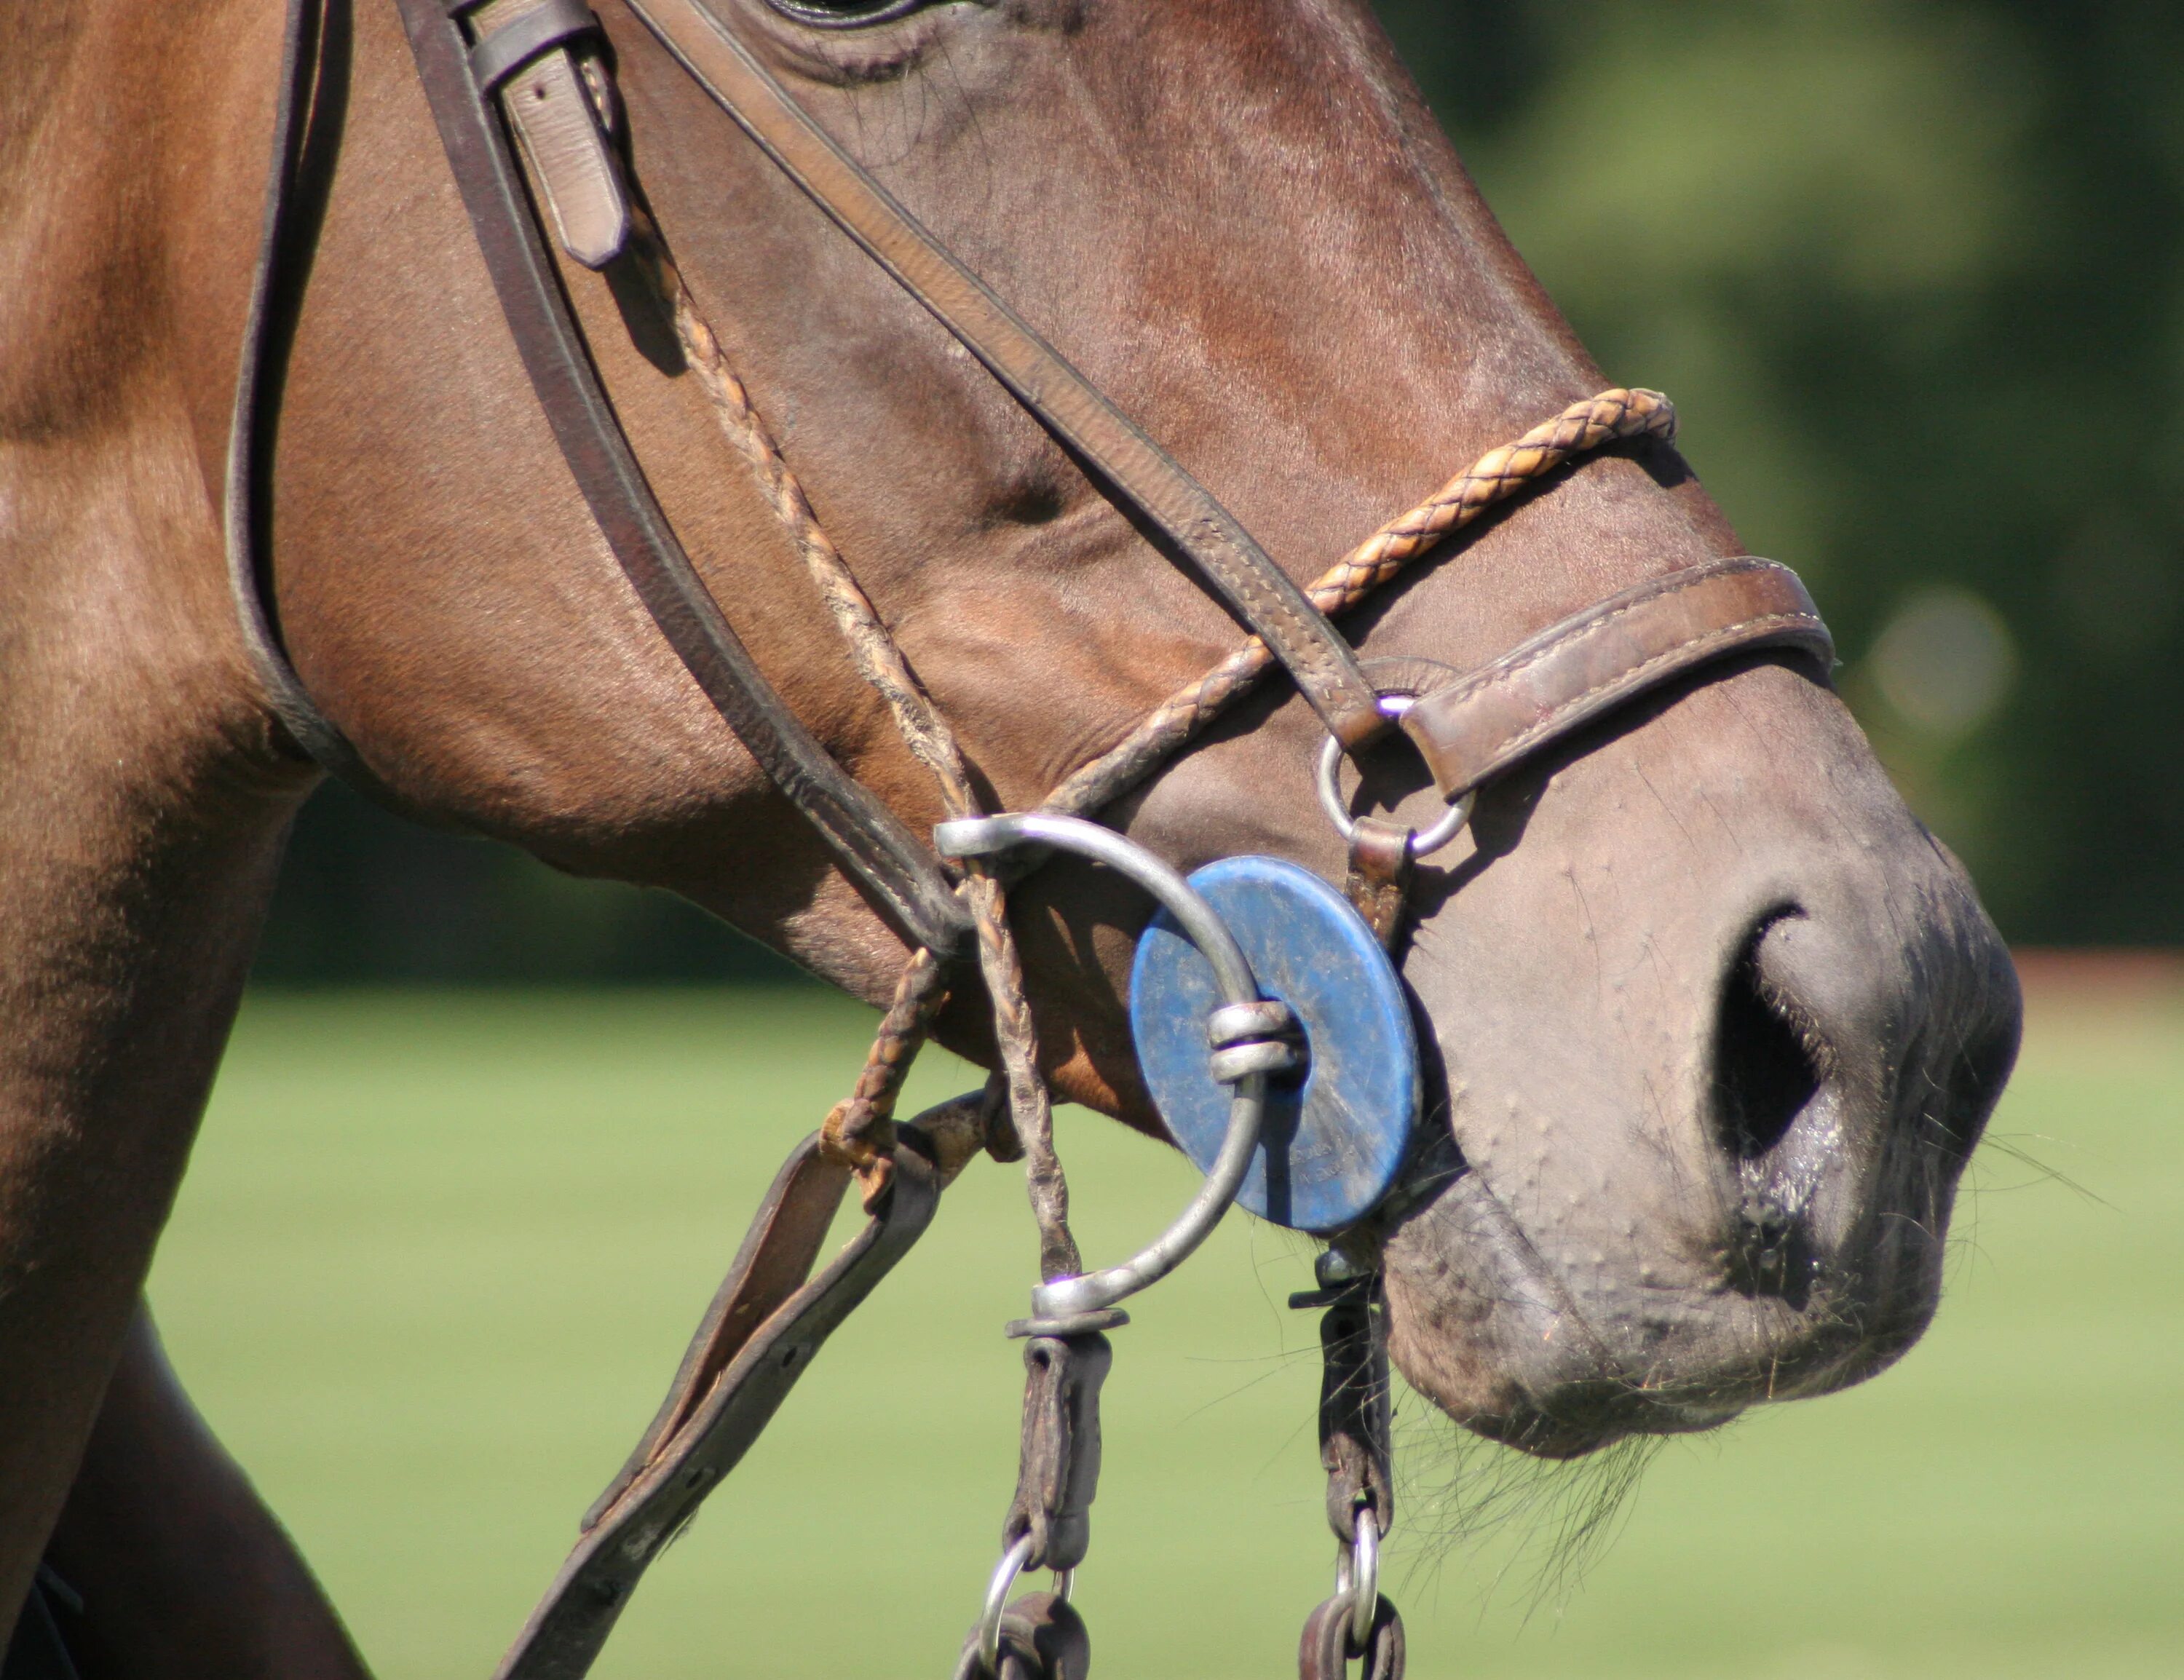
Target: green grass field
(437,1254)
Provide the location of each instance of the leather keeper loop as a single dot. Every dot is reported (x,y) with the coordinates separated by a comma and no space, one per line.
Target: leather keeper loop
(508,49)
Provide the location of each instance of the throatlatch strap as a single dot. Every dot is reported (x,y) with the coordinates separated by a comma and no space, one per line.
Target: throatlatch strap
(878,849)
(1059,397)
(249,435)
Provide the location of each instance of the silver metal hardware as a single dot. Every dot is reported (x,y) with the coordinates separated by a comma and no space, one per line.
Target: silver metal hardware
(1254,1039)
(997,1600)
(1239,1023)
(1423,841)
(1337,1267)
(1234,1063)
(1357,1573)
(983,837)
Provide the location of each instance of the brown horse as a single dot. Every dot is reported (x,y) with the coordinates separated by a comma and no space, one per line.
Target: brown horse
(1704,993)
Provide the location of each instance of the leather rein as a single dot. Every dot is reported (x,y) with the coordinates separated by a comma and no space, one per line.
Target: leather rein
(536,76)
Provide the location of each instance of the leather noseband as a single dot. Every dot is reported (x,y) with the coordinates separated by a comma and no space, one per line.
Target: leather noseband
(1592,662)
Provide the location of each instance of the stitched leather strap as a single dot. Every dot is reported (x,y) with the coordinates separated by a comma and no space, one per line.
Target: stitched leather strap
(1063,400)
(761,1332)
(899,870)
(527,53)
(1600,658)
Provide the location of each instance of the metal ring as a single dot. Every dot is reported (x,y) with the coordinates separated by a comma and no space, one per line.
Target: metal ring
(1424,843)
(1076,1324)
(1365,1591)
(997,1599)
(984,836)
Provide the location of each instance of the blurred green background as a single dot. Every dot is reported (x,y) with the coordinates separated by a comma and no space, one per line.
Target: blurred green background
(1913,272)
(438,1252)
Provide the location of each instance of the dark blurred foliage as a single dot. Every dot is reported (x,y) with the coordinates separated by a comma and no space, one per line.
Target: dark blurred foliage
(1914,274)
(1912,271)
(366,896)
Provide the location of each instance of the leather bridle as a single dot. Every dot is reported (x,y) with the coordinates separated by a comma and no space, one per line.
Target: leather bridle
(1749,604)
(534,70)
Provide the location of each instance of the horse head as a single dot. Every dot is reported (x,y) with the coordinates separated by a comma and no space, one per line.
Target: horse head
(1711,1022)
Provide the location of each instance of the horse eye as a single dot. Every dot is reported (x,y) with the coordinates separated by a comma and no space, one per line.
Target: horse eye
(845,13)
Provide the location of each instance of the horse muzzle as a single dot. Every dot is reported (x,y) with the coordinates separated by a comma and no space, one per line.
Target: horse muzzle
(1709,1162)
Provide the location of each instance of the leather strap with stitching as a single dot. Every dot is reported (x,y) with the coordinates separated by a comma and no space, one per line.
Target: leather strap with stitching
(762,1331)
(900,871)
(1596,660)
(545,62)
(1315,654)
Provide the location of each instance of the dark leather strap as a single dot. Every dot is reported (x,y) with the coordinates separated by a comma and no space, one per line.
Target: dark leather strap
(1378,882)
(1600,658)
(1325,1653)
(1043,1638)
(1058,1451)
(899,870)
(283,255)
(1034,371)
(1354,1416)
(508,49)
(762,1331)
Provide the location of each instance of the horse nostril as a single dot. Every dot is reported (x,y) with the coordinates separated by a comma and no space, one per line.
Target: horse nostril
(1765,1069)
(1769,1251)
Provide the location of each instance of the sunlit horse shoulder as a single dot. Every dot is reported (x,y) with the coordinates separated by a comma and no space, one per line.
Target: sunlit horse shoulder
(1709,1022)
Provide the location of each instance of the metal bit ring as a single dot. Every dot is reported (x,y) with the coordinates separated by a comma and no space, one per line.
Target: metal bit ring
(1357,1575)
(997,1600)
(1423,841)
(987,835)
(1365,1568)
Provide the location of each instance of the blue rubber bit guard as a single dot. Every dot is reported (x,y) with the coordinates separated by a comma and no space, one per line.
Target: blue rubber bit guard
(1333,1140)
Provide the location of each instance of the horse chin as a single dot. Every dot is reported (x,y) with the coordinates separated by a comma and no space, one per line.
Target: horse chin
(1560,1364)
